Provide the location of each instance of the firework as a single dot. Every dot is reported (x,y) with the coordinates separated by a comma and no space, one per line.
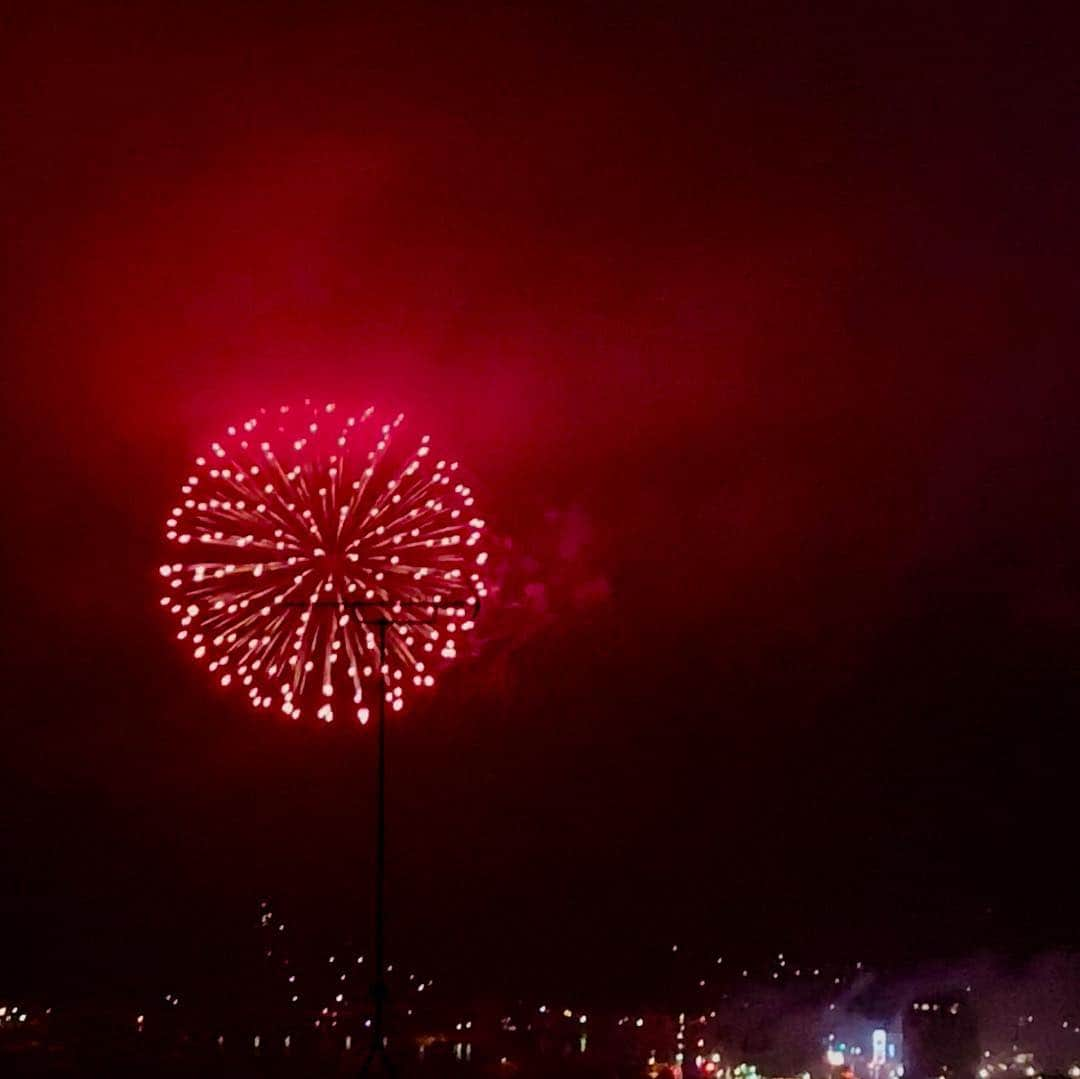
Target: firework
(295,535)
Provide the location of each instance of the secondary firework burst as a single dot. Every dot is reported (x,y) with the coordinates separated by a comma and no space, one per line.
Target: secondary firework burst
(295,534)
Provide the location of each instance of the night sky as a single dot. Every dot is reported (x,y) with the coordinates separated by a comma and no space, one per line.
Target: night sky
(755,328)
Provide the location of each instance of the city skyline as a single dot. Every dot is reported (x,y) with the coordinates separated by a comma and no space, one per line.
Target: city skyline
(753,329)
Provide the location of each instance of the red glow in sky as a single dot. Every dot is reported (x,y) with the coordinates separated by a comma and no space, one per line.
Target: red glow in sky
(756,328)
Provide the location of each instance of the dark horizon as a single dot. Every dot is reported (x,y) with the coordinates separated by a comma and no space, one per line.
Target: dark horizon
(755,332)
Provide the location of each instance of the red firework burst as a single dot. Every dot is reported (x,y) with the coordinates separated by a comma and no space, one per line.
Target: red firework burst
(296,534)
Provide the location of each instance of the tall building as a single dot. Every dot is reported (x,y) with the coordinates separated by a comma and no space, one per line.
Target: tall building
(941,1038)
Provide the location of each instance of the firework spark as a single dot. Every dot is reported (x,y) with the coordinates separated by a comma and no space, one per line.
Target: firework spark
(295,535)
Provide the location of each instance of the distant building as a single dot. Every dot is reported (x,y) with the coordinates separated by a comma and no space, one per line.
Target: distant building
(865,1048)
(941,1038)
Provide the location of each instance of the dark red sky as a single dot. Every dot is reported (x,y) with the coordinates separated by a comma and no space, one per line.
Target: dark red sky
(757,333)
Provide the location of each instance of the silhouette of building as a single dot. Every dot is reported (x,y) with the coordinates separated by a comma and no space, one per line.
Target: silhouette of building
(941,1038)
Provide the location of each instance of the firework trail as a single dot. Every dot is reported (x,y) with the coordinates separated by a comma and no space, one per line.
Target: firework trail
(292,517)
